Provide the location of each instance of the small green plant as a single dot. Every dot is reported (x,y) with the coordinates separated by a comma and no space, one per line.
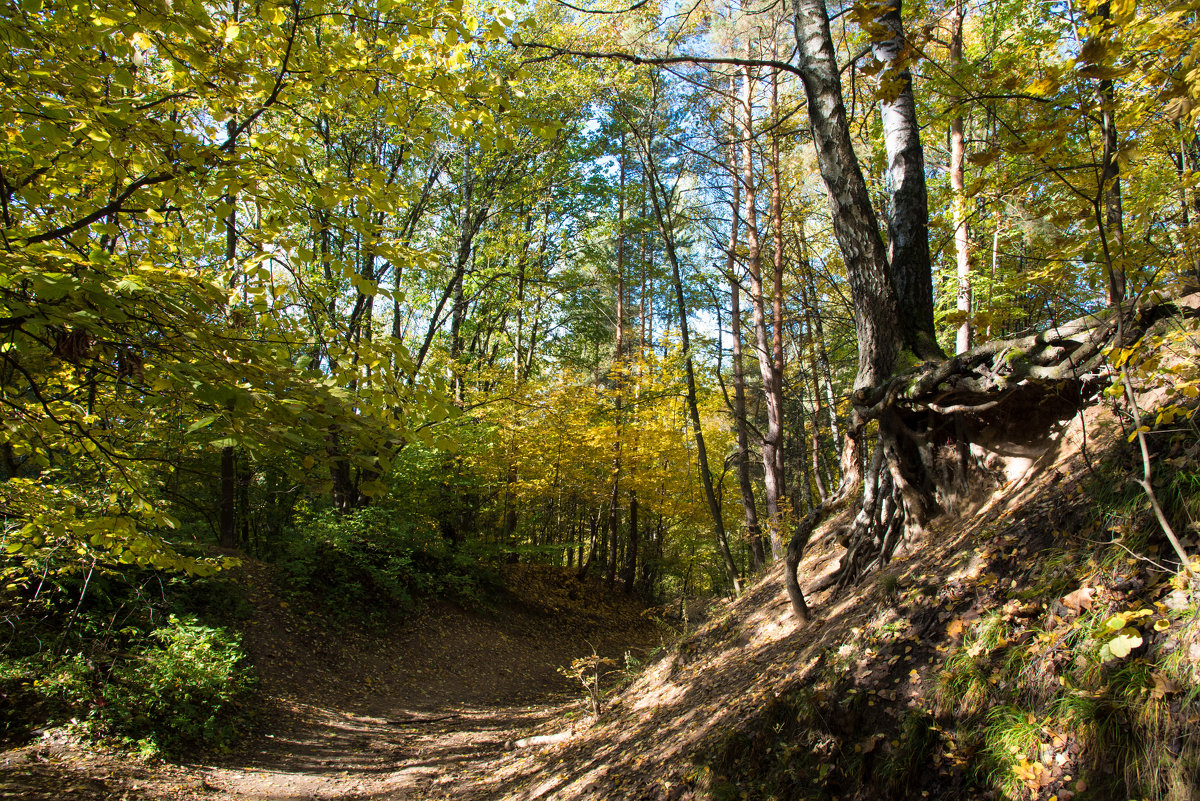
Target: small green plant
(367,565)
(183,685)
(589,672)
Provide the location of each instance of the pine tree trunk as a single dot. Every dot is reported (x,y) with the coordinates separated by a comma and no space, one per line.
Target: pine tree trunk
(777,290)
(962,244)
(770,440)
(753,531)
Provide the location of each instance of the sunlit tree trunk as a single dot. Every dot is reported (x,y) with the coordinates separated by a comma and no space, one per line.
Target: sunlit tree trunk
(962,243)
(875,306)
(1114,221)
(908,204)
(777,289)
(770,439)
(753,531)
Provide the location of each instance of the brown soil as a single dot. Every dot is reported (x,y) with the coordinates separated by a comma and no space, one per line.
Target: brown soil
(401,714)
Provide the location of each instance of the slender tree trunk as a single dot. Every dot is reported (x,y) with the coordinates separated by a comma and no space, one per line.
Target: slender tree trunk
(1182,165)
(666,229)
(228,515)
(1113,215)
(962,243)
(614,517)
(777,293)
(631,553)
(812,317)
(753,531)
(770,439)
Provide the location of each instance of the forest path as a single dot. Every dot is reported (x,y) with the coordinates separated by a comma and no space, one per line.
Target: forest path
(418,710)
(320,753)
(422,711)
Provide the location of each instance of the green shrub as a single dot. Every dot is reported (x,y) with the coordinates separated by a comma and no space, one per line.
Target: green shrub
(184,685)
(368,564)
(188,686)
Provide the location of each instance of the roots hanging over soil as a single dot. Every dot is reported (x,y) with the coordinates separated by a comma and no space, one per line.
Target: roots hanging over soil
(934,425)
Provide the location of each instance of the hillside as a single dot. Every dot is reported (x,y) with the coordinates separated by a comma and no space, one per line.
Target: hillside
(982,662)
(973,666)
(985,661)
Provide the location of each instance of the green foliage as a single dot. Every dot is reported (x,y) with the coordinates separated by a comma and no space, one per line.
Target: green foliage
(188,686)
(181,686)
(370,563)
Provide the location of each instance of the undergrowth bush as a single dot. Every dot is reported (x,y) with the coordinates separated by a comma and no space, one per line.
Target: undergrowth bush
(368,564)
(188,685)
(180,686)
(137,654)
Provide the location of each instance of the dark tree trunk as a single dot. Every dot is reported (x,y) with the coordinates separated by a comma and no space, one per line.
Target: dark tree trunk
(228,514)
(962,243)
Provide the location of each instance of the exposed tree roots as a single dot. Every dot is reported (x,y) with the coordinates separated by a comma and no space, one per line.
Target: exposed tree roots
(927,422)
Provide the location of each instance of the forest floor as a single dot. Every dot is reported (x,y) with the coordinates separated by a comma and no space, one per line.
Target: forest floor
(421,711)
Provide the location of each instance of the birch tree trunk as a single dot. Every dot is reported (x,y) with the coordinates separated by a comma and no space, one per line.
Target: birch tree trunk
(876,308)
(908,203)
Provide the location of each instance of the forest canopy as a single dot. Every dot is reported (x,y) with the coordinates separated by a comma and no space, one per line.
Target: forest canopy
(608,286)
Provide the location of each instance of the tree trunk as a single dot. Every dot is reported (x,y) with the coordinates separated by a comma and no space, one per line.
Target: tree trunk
(777,290)
(908,204)
(1111,180)
(770,438)
(875,305)
(666,229)
(631,553)
(228,514)
(614,518)
(962,244)
(753,532)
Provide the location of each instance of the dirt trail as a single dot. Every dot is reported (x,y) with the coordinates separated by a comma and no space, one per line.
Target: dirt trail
(420,712)
(332,754)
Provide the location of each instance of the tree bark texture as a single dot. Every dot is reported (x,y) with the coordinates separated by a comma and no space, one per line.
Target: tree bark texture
(876,307)
(908,203)
(753,530)
(773,486)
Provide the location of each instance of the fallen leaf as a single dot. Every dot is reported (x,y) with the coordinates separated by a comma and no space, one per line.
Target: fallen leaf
(1123,643)
(1080,600)
(1164,686)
